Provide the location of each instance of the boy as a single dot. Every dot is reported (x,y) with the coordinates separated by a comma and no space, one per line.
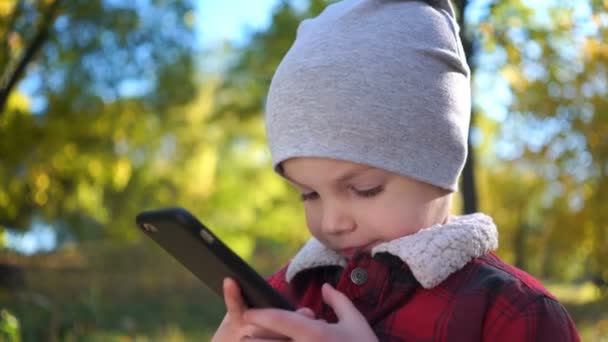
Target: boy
(367,115)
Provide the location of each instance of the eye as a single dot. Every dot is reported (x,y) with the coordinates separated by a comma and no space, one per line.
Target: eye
(369,192)
(309,196)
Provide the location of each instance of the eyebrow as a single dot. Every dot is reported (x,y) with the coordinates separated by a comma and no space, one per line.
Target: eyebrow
(350,174)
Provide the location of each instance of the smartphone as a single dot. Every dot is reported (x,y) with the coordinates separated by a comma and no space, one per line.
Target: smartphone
(184,237)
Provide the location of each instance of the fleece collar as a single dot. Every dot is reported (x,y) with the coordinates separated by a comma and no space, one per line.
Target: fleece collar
(432,253)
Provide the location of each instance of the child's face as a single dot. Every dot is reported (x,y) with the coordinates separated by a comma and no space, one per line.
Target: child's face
(351,207)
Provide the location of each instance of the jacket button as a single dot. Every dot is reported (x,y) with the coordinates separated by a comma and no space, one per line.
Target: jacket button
(358,276)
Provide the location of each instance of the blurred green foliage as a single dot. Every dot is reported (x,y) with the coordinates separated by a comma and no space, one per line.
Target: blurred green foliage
(79,150)
(545,165)
(114,116)
(134,128)
(9,327)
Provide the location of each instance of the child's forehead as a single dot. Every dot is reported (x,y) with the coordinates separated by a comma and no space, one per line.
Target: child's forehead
(334,170)
(307,172)
(324,162)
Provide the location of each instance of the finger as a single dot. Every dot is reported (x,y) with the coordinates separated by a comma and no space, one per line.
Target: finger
(235,305)
(263,339)
(258,332)
(287,323)
(342,306)
(253,331)
(306,312)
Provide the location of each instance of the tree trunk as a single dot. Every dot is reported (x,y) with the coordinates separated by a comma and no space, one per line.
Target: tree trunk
(469,189)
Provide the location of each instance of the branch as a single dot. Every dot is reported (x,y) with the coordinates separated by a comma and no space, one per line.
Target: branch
(28,55)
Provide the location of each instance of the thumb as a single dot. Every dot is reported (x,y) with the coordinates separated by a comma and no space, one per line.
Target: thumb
(345,310)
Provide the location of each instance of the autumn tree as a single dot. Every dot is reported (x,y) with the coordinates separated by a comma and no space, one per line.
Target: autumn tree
(79,132)
(551,148)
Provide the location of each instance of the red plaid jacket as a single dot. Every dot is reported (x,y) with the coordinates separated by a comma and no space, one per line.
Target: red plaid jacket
(486,300)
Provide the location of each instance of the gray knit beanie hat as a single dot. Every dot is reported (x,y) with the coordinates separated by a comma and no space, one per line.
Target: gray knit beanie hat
(377,82)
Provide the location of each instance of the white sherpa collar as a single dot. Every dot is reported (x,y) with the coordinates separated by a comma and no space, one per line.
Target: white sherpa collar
(432,253)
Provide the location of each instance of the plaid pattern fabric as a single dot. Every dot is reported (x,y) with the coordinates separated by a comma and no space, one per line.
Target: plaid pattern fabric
(487,300)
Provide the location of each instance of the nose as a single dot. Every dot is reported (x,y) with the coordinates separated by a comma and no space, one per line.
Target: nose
(337,219)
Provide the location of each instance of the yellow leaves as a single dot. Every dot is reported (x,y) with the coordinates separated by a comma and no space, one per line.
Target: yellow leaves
(588,191)
(58,162)
(18,102)
(513,54)
(7,7)
(575,294)
(90,198)
(594,139)
(243,245)
(515,78)
(119,172)
(63,158)
(122,174)
(42,184)
(70,150)
(200,172)
(489,129)
(118,136)
(594,49)
(563,18)
(198,112)
(40,198)
(488,36)
(514,21)
(95,168)
(487,29)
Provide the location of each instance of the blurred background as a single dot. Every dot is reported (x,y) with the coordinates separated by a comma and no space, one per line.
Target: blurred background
(111,107)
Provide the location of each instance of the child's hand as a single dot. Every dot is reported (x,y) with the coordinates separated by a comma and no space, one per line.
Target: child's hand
(234,327)
(351,325)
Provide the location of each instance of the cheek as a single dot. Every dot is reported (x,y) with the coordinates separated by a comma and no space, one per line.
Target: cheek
(313,218)
(396,218)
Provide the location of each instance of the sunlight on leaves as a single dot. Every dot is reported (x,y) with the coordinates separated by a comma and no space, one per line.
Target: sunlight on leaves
(575,294)
(122,173)
(6,7)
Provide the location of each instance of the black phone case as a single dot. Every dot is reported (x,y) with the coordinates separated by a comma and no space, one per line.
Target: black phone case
(184,237)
